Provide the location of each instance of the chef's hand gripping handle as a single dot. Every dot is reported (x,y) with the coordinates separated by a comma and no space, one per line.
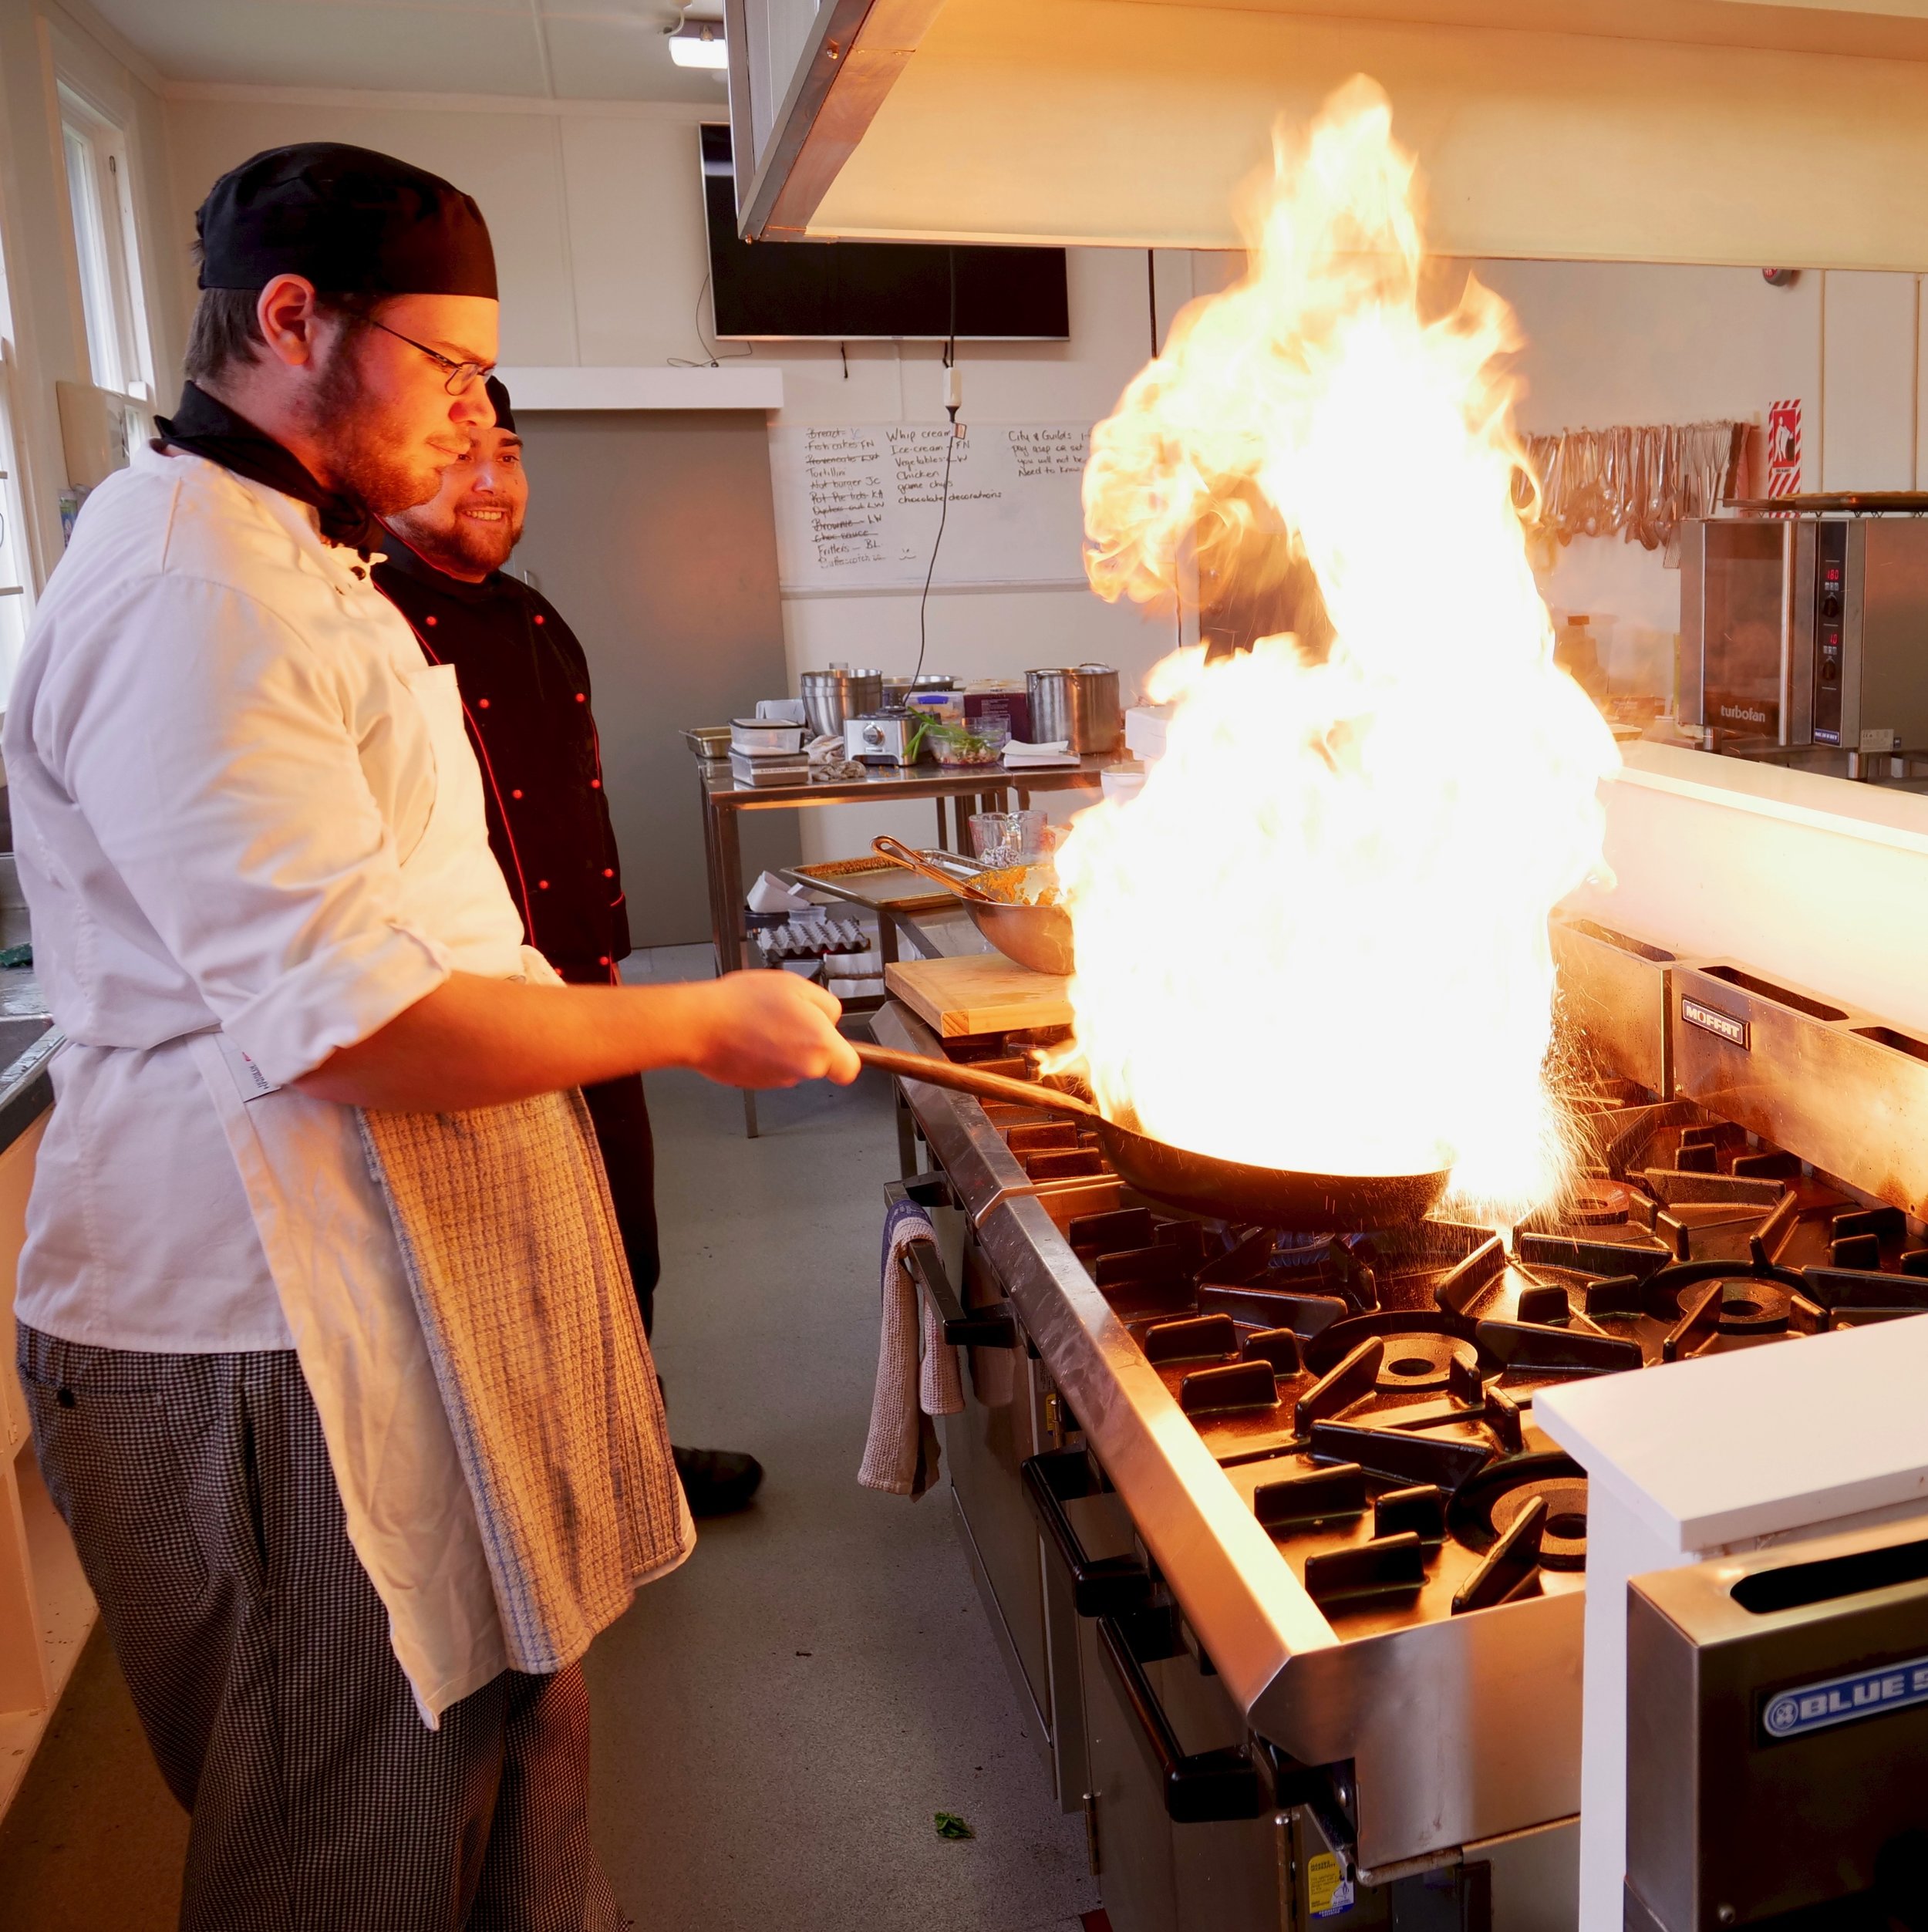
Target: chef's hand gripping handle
(1100,1586)
(1201,1787)
(982,1328)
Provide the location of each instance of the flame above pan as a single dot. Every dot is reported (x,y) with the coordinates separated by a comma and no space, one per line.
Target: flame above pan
(1316,939)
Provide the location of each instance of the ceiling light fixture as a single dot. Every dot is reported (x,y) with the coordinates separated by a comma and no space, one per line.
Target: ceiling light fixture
(699,43)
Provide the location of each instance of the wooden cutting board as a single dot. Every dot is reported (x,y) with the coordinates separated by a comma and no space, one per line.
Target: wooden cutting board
(979,993)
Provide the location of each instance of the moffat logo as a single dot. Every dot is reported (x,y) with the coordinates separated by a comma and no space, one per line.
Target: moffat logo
(1723,1026)
(1744,714)
(1813,1706)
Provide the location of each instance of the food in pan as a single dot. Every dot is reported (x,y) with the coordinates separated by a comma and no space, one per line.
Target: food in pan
(1020,884)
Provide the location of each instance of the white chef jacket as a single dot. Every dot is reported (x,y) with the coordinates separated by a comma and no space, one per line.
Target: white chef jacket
(250,830)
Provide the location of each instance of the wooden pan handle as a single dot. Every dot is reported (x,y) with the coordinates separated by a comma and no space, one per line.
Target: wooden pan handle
(973,1079)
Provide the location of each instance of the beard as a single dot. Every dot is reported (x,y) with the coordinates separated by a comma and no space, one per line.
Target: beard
(367,442)
(440,533)
(474,545)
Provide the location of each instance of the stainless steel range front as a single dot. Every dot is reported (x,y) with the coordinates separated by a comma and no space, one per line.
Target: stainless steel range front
(1290,1581)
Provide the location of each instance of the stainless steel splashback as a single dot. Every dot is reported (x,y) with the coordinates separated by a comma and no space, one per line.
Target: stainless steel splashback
(1842,1089)
(1613,996)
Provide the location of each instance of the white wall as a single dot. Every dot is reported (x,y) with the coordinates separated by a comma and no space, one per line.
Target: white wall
(1870,324)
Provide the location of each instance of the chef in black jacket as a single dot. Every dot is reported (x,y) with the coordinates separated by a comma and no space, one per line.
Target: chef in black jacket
(525,692)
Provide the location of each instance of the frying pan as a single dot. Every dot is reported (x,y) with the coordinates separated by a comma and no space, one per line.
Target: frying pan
(1036,936)
(1202,1183)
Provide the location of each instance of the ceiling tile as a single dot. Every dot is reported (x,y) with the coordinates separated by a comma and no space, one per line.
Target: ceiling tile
(611,59)
(659,14)
(429,46)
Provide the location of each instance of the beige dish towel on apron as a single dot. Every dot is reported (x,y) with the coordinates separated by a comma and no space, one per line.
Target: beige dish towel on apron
(509,1241)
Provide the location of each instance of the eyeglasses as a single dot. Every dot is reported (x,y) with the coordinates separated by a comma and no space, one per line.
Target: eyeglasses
(462,376)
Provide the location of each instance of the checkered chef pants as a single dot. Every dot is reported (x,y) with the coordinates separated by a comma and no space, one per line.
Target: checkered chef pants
(199,1492)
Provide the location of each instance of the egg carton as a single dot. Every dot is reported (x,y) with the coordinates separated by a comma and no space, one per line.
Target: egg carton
(810,939)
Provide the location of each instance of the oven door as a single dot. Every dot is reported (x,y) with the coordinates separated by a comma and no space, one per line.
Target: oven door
(1183,1834)
(1736,610)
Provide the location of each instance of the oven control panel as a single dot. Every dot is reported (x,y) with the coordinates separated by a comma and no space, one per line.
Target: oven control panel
(1830,597)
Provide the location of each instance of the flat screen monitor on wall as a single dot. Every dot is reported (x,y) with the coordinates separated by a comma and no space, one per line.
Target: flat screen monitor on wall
(847,290)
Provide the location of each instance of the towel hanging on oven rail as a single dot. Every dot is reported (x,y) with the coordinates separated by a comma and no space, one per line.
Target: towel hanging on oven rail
(917,1375)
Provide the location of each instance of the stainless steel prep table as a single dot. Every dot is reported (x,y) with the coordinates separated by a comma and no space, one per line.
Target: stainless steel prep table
(723,798)
(987,788)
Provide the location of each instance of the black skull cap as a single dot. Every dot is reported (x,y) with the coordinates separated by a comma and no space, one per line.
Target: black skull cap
(350,220)
(499,399)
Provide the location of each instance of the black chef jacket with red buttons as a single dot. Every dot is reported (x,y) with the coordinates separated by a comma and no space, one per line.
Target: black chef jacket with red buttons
(525,693)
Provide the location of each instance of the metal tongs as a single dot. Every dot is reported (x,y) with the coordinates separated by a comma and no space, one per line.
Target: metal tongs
(936,866)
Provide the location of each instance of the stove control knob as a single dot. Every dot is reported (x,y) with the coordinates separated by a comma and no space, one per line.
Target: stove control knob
(1830,604)
(1830,671)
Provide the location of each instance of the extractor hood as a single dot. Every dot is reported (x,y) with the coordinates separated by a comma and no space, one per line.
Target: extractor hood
(1722,131)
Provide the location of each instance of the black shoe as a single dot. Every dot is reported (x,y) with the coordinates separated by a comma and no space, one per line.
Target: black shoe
(717,1481)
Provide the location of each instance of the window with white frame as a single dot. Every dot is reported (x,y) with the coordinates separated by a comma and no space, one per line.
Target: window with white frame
(16,594)
(101,201)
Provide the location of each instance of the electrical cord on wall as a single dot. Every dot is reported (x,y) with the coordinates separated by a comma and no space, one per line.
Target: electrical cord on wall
(951,407)
(943,515)
(709,344)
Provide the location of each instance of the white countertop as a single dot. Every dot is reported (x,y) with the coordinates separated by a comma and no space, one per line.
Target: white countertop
(652,388)
(1879,813)
(1758,1441)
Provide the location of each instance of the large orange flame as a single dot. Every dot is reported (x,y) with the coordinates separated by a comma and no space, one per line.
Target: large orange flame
(1317,938)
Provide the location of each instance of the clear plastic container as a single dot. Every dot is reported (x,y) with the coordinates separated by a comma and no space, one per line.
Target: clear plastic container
(1009,837)
(951,741)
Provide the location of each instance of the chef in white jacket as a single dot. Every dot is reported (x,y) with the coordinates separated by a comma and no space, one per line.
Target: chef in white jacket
(267,917)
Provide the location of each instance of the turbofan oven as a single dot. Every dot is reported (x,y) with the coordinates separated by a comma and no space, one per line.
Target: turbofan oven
(1806,630)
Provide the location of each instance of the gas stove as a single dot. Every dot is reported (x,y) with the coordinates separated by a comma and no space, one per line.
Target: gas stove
(1326,1447)
(1370,1396)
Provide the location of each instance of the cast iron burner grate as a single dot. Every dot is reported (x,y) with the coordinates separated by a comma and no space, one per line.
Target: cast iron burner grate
(1372,1394)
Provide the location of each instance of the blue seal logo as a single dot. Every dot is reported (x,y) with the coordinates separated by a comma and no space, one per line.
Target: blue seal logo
(1840,1700)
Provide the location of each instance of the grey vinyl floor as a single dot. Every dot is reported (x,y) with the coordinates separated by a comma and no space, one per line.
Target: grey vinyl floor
(775,1723)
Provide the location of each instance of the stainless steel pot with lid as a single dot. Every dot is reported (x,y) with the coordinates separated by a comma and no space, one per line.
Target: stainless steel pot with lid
(1080,705)
(832,697)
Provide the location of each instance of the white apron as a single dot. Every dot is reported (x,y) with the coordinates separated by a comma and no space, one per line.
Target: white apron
(332,1251)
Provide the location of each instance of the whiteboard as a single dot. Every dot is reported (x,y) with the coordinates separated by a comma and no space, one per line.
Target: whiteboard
(858,506)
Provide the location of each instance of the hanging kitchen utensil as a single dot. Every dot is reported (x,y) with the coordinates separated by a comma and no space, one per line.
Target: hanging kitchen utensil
(1650,484)
(1641,480)
(1036,936)
(1201,1183)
